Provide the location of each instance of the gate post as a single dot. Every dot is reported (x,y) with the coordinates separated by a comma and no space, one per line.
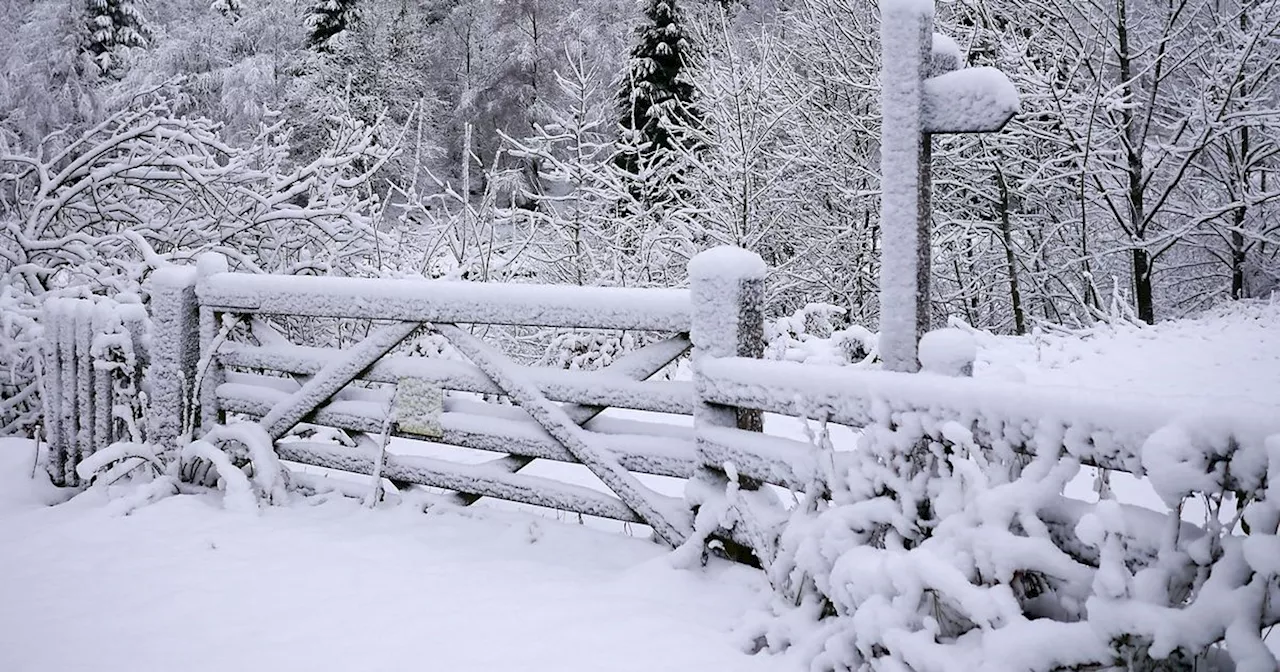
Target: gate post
(175,352)
(727,288)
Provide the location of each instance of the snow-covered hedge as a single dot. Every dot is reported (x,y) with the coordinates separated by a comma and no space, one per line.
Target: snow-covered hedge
(947,546)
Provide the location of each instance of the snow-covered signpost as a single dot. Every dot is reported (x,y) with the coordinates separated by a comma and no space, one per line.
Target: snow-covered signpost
(925,92)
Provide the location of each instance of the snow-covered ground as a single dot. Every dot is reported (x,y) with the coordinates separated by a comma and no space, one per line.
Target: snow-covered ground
(331,586)
(183,584)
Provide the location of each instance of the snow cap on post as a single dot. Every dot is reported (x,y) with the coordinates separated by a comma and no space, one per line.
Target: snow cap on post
(209,263)
(725,262)
(949,352)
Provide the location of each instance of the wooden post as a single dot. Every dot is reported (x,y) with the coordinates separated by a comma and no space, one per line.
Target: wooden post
(922,95)
(727,287)
(209,263)
(175,350)
(906,33)
(51,376)
(727,284)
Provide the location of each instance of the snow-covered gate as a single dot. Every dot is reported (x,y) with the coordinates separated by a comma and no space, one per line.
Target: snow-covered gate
(244,366)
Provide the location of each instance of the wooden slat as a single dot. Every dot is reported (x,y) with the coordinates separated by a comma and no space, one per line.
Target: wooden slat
(661,455)
(287,413)
(637,365)
(461,477)
(667,523)
(595,388)
(443,301)
(771,459)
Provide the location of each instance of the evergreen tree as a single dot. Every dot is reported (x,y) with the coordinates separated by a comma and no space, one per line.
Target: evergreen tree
(654,89)
(326,19)
(112,24)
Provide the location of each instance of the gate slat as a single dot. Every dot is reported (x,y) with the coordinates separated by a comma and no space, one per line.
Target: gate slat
(667,525)
(462,477)
(637,365)
(334,377)
(665,454)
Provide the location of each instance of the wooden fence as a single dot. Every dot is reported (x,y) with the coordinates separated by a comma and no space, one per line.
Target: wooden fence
(93,358)
(212,341)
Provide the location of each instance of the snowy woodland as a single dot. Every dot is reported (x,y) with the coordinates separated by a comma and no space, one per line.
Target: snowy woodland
(1133,199)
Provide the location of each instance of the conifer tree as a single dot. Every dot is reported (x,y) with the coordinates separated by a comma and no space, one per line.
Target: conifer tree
(654,88)
(326,19)
(112,24)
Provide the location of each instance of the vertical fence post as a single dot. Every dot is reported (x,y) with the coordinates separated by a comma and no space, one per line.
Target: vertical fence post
(55,455)
(727,287)
(175,350)
(103,398)
(209,263)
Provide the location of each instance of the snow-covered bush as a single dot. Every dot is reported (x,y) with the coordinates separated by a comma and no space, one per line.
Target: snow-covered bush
(938,554)
(96,213)
(813,335)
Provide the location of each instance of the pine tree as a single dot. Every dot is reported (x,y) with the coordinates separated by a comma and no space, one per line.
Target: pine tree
(326,19)
(112,24)
(654,89)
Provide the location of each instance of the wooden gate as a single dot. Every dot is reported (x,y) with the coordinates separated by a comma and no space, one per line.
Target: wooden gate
(244,366)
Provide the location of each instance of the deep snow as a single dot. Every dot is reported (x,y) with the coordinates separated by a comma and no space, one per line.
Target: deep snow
(185,585)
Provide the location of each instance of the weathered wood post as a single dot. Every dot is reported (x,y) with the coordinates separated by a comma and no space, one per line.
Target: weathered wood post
(923,94)
(209,264)
(175,351)
(727,288)
(61,401)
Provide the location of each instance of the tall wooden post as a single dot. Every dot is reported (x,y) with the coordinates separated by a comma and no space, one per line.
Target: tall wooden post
(924,93)
(175,351)
(906,31)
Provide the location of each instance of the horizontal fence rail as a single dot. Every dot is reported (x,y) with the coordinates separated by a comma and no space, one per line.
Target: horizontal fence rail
(449,301)
(1098,428)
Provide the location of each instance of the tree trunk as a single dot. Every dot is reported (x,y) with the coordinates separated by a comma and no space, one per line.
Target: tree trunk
(1015,296)
(1142,285)
(1135,170)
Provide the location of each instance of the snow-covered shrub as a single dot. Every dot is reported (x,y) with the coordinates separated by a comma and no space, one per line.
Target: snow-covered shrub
(587,350)
(146,187)
(814,335)
(19,348)
(937,554)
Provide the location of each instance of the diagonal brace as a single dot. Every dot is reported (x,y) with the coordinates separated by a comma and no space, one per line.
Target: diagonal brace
(560,426)
(332,378)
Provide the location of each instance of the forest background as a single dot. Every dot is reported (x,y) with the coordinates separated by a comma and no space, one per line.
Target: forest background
(604,142)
